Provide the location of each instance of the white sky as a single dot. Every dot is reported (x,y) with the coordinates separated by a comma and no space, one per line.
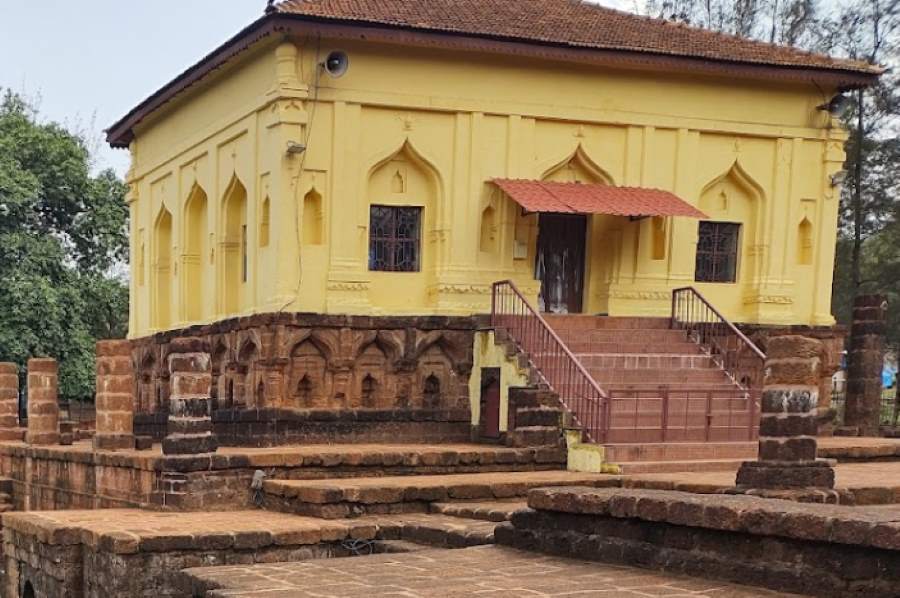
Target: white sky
(90,61)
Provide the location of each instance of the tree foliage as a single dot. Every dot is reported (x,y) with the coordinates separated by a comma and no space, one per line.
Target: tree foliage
(62,233)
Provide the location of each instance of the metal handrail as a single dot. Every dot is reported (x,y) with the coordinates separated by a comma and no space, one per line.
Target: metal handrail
(692,312)
(548,354)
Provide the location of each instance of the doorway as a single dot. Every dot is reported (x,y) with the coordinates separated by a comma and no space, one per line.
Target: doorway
(559,264)
(490,403)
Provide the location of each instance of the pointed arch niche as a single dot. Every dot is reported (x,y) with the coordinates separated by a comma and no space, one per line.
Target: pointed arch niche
(578,167)
(265,222)
(735,197)
(234,245)
(805,242)
(312,218)
(162,270)
(193,273)
(407,179)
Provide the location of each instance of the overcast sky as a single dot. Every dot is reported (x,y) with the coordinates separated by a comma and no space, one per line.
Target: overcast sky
(90,61)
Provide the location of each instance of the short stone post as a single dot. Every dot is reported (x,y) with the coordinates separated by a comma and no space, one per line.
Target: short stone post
(190,429)
(43,402)
(115,396)
(787,466)
(9,402)
(865,361)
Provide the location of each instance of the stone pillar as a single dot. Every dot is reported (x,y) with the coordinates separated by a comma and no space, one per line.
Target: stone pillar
(190,429)
(788,424)
(865,362)
(115,396)
(9,398)
(43,402)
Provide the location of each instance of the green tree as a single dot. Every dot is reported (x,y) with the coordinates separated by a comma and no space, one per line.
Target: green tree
(63,232)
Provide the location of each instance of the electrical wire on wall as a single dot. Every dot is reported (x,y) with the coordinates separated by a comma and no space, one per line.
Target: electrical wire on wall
(301,169)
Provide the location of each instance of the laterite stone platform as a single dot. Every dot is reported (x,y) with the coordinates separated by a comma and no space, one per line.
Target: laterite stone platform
(335,499)
(813,549)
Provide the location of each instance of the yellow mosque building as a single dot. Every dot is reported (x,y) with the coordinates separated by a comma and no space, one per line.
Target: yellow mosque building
(328,199)
(356,157)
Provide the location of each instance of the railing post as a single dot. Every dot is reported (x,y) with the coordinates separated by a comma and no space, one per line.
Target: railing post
(708,414)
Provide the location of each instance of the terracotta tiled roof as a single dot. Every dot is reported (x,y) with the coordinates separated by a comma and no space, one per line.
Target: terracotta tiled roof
(577,198)
(571,23)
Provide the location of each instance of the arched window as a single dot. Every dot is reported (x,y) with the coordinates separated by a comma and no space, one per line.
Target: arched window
(162,271)
(235,245)
(193,275)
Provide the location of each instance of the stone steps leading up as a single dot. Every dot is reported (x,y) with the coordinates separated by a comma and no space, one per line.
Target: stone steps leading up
(680,451)
(496,511)
(693,466)
(354,497)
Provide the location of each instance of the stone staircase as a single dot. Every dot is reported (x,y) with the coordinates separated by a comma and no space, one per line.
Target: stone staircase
(644,365)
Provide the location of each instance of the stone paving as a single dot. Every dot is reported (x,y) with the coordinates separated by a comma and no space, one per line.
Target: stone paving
(482,571)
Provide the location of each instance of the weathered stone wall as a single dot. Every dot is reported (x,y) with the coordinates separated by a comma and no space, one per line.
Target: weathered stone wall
(43,402)
(828,360)
(115,396)
(865,362)
(51,570)
(788,425)
(814,550)
(327,378)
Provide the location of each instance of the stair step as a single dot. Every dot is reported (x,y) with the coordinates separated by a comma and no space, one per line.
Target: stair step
(398,546)
(647,361)
(680,451)
(538,416)
(694,466)
(561,322)
(534,436)
(496,511)
(352,497)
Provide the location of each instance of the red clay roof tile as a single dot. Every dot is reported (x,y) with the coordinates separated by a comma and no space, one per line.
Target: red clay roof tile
(564,22)
(577,198)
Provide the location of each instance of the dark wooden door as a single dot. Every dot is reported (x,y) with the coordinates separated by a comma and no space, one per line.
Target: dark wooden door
(560,262)
(490,402)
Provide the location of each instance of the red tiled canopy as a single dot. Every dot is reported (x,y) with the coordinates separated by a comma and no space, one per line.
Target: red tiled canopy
(578,198)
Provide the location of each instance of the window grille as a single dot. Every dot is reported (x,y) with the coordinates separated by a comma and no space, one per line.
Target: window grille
(394,239)
(717,252)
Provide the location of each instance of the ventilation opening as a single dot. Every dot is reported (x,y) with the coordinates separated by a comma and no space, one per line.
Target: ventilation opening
(28,590)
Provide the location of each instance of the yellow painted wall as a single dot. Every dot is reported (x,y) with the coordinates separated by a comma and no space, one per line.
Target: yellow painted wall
(444,125)
(487,354)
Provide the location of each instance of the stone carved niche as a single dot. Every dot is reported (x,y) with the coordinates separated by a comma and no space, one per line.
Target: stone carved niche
(218,388)
(245,376)
(370,385)
(327,367)
(308,379)
(147,384)
(434,380)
